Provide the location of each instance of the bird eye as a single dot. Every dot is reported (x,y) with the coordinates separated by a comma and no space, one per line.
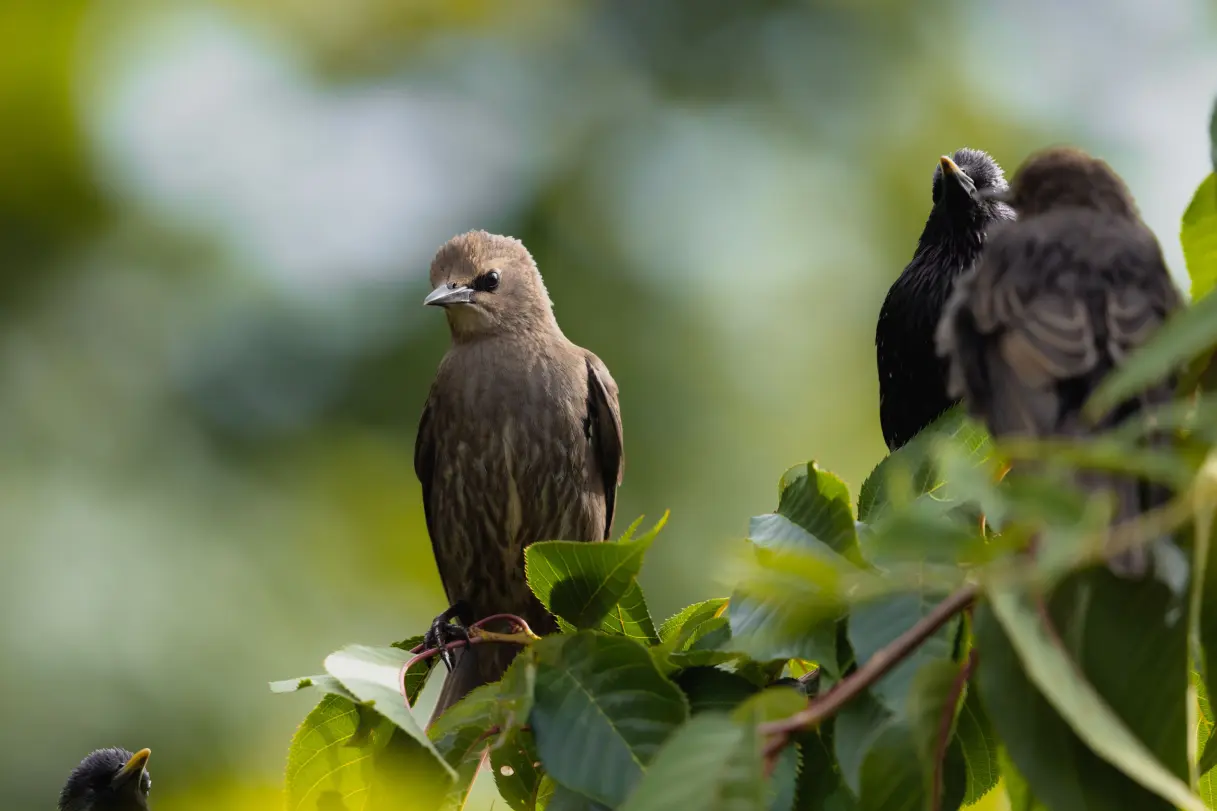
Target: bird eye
(489,281)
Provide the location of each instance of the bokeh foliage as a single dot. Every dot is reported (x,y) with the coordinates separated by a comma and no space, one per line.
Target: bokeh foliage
(215,219)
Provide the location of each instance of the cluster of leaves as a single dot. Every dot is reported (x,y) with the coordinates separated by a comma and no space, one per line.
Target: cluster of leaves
(1074,688)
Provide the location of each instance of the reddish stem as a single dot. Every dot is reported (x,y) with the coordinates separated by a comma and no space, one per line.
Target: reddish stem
(944,723)
(421,655)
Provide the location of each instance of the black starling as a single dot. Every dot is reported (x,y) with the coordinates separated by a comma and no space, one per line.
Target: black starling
(1056,301)
(912,378)
(520,441)
(108,780)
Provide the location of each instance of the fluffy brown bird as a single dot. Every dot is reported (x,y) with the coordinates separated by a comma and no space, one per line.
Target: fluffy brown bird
(1057,300)
(520,441)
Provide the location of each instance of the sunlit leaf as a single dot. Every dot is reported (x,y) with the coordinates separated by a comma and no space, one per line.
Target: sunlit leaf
(1199,238)
(371,675)
(346,756)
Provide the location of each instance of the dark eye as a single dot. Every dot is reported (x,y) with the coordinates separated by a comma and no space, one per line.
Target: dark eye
(489,282)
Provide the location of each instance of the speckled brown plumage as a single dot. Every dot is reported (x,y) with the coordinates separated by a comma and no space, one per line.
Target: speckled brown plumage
(520,441)
(1056,302)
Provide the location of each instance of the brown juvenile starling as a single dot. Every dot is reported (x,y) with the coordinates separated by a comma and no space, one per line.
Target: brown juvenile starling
(108,780)
(1059,299)
(912,378)
(520,441)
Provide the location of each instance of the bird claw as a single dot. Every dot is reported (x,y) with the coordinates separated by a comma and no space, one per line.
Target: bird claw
(443,633)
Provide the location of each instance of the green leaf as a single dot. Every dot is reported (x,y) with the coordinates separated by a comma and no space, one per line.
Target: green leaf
(1017,790)
(934,693)
(325,683)
(817,503)
(1213,136)
(789,606)
(593,585)
(980,747)
(602,710)
(1185,335)
(1199,238)
(321,762)
(419,672)
(820,785)
(679,627)
(563,799)
(712,689)
(875,625)
(371,675)
(911,472)
(710,763)
(891,774)
(517,775)
(346,756)
(773,704)
(488,716)
(464,729)
(1055,675)
(1206,784)
(858,725)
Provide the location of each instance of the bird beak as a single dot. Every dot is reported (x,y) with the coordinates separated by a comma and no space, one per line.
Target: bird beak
(445,296)
(133,767)
(956,179)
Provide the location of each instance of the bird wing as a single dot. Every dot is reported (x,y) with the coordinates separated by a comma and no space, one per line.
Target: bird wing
(1043,320)
(424,465)
(604,418)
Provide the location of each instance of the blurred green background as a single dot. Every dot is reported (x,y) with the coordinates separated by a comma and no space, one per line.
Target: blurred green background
(215,226)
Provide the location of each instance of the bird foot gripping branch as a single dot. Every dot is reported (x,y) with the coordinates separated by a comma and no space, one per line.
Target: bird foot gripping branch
(476,634)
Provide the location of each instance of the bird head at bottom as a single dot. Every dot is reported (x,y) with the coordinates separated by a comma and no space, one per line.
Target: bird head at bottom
(108,780)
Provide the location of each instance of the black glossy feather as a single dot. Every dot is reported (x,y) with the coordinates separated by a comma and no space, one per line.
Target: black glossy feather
(912,378)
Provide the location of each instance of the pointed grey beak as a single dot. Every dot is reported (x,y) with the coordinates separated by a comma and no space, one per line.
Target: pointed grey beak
(444,296)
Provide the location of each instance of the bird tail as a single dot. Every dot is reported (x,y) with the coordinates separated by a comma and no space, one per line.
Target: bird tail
(476,665)
(1134,496)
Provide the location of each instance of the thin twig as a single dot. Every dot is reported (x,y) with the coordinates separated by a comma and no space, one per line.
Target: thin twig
(945,721)
(778,732)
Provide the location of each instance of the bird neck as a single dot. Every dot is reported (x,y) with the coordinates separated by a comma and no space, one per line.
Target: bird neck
(472,326)
(510,330)
(951,237)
